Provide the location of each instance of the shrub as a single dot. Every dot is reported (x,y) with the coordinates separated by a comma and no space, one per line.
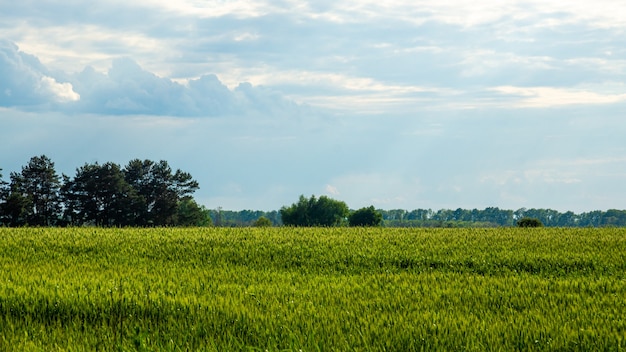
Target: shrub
(529,222)
(262,222)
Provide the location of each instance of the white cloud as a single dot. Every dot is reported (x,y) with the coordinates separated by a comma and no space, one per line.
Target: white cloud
(25,81)
(536,97)
(484,62)
(603,13)
(129,89)
(348,93)
(212,8)
(332,190)
(62,92)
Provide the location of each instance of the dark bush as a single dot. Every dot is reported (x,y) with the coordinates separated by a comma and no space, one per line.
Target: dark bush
(529,222)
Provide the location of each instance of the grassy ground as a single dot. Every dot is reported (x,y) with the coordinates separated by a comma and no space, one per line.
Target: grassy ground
(334,289)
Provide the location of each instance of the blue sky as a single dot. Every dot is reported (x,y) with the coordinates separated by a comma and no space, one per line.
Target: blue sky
(396,104)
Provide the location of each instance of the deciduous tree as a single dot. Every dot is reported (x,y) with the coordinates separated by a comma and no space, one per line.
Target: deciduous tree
(365,217)
(315,212)
(262,222)
(192,214)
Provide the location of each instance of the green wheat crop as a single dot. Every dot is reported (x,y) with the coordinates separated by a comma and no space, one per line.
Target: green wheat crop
(322,289)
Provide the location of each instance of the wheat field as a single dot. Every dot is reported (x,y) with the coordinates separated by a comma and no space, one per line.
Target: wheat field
(312,289)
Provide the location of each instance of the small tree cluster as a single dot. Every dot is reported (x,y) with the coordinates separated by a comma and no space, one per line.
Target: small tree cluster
(315,212)
(324,211)
(143,193)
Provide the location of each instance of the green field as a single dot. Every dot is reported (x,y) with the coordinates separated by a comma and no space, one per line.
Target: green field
(335,289)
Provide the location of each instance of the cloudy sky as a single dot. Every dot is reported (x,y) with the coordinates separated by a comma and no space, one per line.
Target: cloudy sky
(396,104)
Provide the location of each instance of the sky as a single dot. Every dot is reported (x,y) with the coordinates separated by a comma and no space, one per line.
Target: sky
(397,104)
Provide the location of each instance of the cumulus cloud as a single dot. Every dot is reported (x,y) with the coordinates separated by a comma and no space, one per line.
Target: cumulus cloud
(25,81)
(210,96)
(127,88)
(61,92)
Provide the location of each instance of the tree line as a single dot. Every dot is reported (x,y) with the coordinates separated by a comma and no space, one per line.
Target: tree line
(493,216)
(488,217)
(142,193)
(149,193)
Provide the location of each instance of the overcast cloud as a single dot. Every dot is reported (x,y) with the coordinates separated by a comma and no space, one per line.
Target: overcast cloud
(398,104)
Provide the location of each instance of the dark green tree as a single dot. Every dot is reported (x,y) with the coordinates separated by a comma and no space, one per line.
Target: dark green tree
(70,203)
(365,217)
(34,194)
(100,195)
(161,190)
(4,193)
(420,214)
(263,222)
(529,222)
(3,188)
(568,219)
(297,214)
(13,205)
(15,210)
(192,214)
(315,212)
(329,212)
(613,218)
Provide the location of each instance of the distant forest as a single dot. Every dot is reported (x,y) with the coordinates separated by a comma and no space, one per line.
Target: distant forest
(494,217)
(146,193)
(489,217)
